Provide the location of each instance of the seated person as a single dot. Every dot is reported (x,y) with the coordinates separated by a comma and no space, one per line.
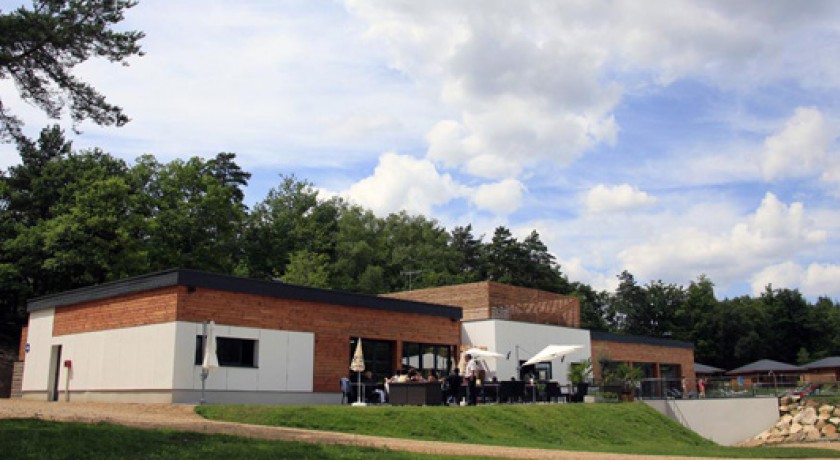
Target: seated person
(372,394)
(433,376)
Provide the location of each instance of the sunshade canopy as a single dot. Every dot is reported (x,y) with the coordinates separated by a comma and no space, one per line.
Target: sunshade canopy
(477,353)
(552,352)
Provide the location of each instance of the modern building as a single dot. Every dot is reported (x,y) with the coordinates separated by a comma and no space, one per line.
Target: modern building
(139,339)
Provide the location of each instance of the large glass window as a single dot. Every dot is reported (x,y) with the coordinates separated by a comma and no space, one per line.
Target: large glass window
(379,355)
(230,351)
(538,371)
(425,357)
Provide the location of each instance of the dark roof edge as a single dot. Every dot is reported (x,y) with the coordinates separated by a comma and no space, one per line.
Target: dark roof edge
(610,337)
(124,286)
(207,280)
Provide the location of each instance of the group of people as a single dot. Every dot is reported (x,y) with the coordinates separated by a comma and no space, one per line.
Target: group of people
(701,387)
(450,384)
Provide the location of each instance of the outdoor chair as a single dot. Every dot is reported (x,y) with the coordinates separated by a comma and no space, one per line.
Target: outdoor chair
(346,390)
(552,392)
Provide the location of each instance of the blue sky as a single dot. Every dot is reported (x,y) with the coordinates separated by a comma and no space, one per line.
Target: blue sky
(670,139)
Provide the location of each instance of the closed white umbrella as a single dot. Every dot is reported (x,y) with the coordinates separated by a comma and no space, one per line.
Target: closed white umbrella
(211,360)
(358,365)
(551,353)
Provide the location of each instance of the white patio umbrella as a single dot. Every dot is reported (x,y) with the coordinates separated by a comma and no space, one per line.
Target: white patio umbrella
(211,360)
(552,352)
(482,354)
(358,365)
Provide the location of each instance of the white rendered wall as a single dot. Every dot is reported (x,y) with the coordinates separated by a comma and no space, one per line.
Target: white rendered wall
(37,369)
(132,358)
(725,421)
(285,361)
(161,357)
(504,336)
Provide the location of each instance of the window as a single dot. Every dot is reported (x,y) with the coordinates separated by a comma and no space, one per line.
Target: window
(425,357)
(231,352)
(378,357)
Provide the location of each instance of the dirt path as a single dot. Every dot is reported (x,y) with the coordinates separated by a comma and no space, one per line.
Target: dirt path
(182,417)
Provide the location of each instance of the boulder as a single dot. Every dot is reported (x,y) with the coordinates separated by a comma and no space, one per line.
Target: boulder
(785,420)
(811,433)
(808,416)
(752,443)
(834,420)
(775,440)
(795,428)
(820,424)
(826,409)
(828,430)
(837,411)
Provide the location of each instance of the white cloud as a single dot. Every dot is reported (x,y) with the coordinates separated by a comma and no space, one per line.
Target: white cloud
(815,280)
(799,148)
(401,182)
(603,198)
(502,197)
(775,231)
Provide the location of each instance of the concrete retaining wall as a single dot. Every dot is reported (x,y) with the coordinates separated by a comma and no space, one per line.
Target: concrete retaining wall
(724,421)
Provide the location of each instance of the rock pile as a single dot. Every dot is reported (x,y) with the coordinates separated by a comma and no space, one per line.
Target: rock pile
(806,420)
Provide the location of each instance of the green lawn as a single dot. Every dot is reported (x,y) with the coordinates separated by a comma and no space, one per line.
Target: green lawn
(621,428)
(38,439)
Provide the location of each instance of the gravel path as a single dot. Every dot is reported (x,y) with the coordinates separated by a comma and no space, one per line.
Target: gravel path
(182,417)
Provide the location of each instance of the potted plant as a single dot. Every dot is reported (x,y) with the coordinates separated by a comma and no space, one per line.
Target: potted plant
(629,378)
(579,375)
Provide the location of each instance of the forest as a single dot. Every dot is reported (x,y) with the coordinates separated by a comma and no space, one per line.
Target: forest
(76,218)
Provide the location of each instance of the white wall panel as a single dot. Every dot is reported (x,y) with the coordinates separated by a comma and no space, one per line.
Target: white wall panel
(36,371)
(119,359)
(301,361)
(285,361)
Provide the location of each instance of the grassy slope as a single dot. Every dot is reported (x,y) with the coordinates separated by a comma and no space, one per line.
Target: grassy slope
(38,439)
(622,428)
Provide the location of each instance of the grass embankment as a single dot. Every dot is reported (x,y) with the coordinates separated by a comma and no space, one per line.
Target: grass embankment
(619,428)
(38,439)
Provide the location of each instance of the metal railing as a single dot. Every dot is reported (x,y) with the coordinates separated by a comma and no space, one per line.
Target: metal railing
(746,386)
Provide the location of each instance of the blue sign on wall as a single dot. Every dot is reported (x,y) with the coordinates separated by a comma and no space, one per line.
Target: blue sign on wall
(27,347)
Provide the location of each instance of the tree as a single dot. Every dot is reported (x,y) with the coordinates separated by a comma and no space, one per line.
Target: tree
(194,212)
(307,268)
(69,219)
(468,263)
(291,218)
(39,49)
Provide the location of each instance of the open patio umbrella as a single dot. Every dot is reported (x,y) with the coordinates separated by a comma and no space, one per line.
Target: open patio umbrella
(483,354)
(552,352)
(358,365)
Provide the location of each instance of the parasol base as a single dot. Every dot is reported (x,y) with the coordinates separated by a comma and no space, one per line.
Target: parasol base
(359,404)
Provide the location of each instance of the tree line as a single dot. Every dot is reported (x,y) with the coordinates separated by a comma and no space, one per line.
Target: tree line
(75,218)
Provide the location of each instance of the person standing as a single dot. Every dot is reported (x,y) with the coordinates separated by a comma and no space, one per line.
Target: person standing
(453,383)
(472,375)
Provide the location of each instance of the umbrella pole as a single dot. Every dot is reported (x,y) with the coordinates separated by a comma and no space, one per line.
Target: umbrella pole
(203,352)
(359,389)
